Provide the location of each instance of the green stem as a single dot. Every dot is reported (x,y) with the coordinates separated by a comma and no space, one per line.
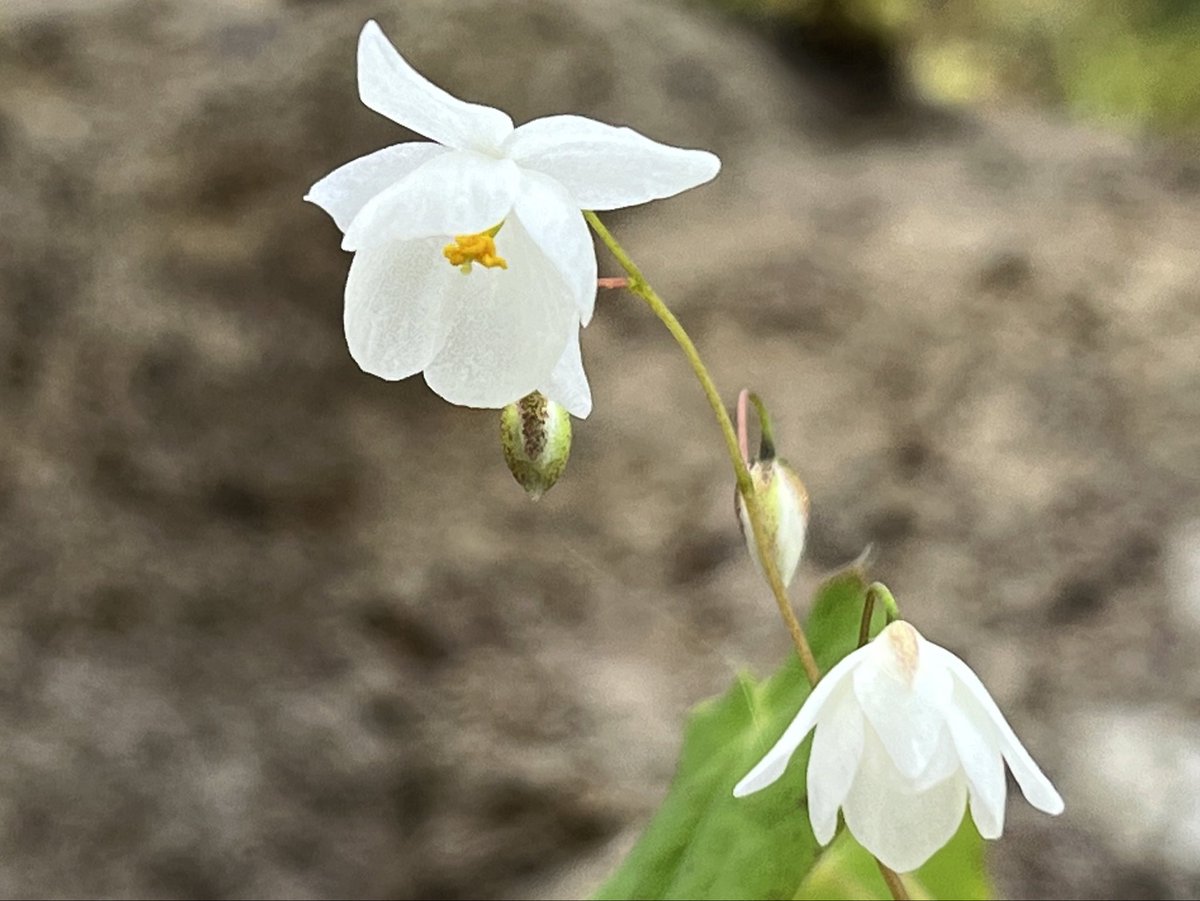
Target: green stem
(864,627)
(745,484)
(766,434)
(880,592)
(639,286)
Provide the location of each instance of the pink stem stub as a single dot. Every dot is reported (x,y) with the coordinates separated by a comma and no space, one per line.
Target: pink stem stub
(615,282)
(743,439)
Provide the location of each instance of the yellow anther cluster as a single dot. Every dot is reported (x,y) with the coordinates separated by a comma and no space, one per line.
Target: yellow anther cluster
(468,249)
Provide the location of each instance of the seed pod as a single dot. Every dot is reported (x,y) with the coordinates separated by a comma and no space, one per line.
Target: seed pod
(535,434)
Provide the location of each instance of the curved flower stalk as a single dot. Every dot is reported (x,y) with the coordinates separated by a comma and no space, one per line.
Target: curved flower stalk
(473,262)
(906,733)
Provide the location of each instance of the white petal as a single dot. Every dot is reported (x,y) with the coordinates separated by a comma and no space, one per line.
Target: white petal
(979,751)
(605,167)
(510,329)
(901,827)
(907,708)
(458,193)
(836,750)
(393,88)
(553,219)
(568,386)
(775,761)
(1034,784)
(345,191)
(398,306)
(942,765)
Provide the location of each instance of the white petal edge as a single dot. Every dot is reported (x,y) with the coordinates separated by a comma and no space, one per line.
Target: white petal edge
(836,751)
(909,718)
(391,87)
(793,524)
(568,386)
(775,761)
(942,765)
(399,303)
(452,194)
(1034,785)
(510,329)
(552,218)
(345,191)
(978,749)
(901,827)
(605,167)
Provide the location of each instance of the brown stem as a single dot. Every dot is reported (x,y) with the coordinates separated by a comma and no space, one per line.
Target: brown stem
(894,883)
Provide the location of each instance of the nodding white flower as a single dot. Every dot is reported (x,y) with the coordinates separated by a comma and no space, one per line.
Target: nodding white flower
(905,734)
(502,205)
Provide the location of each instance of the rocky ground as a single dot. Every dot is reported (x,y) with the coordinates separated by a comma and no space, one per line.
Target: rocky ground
(273,627)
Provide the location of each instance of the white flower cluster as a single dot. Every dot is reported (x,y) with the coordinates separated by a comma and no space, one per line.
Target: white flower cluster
(474,265)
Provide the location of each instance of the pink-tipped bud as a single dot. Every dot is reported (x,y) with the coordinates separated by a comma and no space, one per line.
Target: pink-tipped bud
(784,502)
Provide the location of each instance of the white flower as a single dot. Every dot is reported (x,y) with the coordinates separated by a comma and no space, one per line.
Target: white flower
(905,734)
(507,199)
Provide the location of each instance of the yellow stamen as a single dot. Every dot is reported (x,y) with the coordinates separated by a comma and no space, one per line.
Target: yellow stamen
(480,248)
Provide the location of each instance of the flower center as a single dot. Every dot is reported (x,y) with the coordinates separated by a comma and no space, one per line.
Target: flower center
(480,248)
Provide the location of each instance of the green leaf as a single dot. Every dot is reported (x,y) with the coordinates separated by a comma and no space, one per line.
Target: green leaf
(845,871)
(704,843)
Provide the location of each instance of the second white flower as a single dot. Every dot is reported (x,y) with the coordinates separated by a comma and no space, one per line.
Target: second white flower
(905,734)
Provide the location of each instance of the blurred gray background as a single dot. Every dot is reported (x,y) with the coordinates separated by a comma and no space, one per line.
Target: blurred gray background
(273,627)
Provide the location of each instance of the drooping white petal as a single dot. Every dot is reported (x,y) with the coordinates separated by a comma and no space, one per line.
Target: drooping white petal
(605,167)
(554,221)
(511,327)
(1034,784)
(452,194)
(399,306)
(568,386)
(390,86)
(775,761)
(345,191)
(904,696)
(901,827)
(978,748)
(943,764)
(836,750)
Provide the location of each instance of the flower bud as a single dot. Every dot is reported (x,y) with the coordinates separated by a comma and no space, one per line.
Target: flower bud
(784,502)
(535,433)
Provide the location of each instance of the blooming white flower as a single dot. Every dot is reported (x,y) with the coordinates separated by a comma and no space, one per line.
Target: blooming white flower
(905,734)
(481,192)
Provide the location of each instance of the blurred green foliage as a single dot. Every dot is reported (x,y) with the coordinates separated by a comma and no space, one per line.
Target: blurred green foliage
(1131,64)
